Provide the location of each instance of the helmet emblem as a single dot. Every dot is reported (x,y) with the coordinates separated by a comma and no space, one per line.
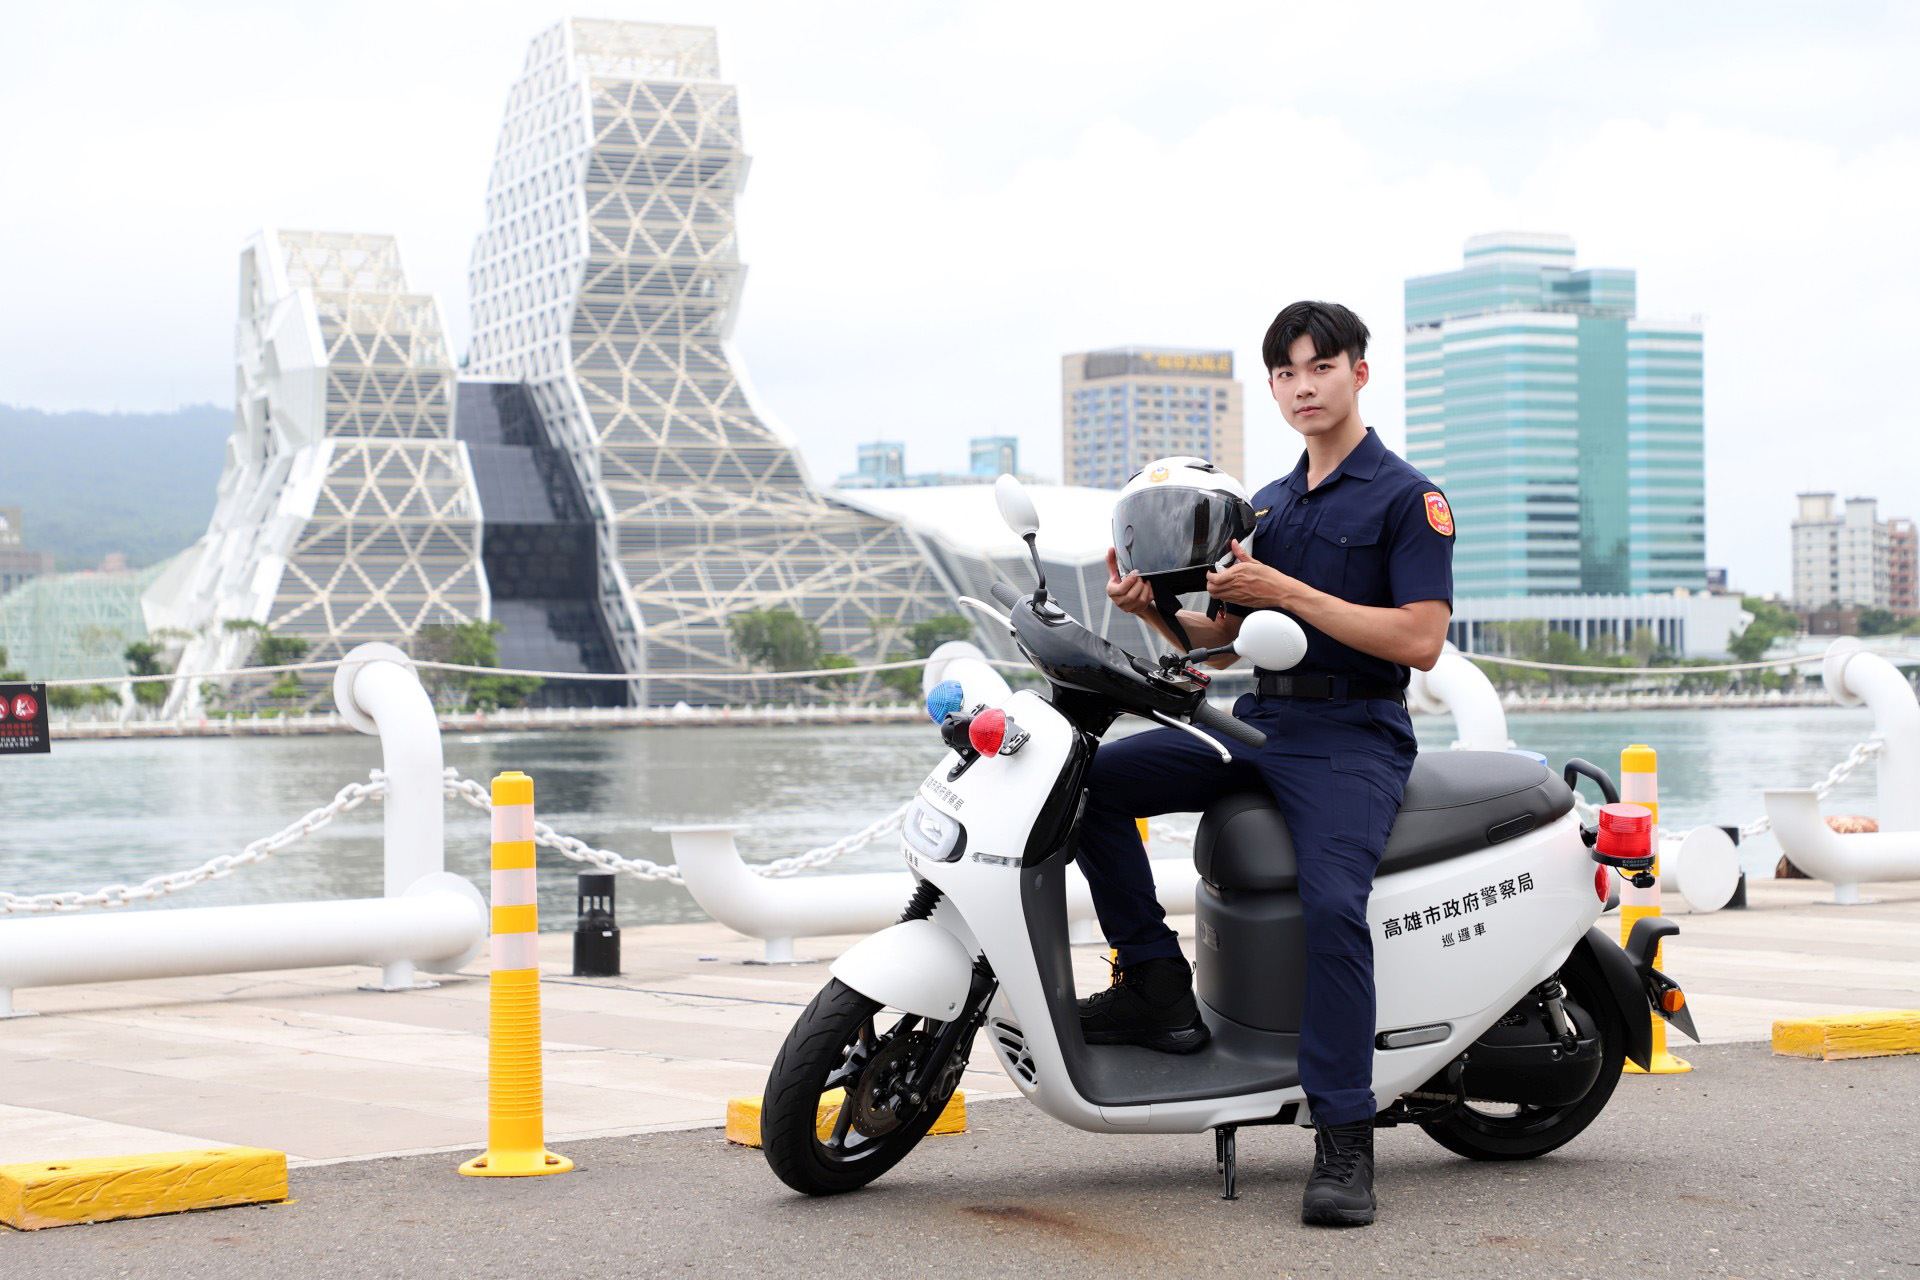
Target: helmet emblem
(1158,474)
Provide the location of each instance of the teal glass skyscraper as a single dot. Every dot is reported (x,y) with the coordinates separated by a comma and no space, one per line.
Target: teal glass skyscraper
(1567,431)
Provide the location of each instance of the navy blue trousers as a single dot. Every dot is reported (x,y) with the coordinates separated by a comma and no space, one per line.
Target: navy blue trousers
(1337,770)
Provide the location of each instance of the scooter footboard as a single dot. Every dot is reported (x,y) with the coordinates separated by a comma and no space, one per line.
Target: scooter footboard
(914,966)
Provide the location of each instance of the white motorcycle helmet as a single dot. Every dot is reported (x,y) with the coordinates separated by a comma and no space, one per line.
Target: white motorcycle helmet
(1172,524)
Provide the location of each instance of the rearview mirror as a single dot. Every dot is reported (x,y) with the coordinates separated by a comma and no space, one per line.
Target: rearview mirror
(1272,640)
(1016,508)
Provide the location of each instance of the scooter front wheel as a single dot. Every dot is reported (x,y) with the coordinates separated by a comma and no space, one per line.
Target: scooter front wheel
(840,1107)
(1483,1132)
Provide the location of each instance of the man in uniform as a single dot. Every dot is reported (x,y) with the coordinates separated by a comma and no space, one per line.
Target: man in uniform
(1356,546)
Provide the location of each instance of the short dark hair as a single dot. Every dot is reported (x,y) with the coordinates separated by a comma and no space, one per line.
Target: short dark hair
(1332,327)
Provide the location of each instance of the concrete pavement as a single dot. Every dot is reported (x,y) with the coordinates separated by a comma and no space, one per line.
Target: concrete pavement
(1752,1166)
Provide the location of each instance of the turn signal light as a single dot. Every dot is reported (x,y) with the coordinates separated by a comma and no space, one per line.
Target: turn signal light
(988,731)
(1673,1000)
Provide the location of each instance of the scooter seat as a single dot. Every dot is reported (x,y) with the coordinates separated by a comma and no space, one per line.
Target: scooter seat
(1456,802)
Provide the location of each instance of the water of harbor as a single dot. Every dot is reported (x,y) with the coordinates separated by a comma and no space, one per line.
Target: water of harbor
(97,813)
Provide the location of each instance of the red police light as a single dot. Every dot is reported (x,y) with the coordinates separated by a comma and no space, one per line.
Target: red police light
(1626,831)
(1624,840)
(988,731)
(1627,819)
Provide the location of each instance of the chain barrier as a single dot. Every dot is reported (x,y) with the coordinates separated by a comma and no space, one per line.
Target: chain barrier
(476,795)
(348,798)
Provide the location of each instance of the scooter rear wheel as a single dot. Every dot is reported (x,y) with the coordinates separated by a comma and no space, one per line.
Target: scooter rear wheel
(842,1146)
(1527,1131)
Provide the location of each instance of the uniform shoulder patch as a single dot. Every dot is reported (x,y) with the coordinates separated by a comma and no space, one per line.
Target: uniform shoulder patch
(1261,512)
(1439,514)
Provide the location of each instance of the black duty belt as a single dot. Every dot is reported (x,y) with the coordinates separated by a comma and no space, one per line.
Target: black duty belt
(1273,684)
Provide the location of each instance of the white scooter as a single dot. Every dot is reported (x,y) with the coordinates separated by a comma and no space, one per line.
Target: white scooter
(1504,1014)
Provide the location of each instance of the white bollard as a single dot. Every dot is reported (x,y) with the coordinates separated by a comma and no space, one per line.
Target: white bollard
(960,661)
(378,693)
(1458,687)
(1853,677)
(777,911)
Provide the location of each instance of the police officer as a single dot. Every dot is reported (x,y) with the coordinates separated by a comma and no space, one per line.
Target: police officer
(1357,546)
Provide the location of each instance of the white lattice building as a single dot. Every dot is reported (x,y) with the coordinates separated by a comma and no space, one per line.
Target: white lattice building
(607,279)
(347,510)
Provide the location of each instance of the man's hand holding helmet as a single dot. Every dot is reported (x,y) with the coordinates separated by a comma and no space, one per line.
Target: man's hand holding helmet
(1130,594)
(1248,582)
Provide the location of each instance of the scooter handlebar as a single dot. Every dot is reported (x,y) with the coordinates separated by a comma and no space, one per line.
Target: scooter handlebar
(1004,593)
(1207,716)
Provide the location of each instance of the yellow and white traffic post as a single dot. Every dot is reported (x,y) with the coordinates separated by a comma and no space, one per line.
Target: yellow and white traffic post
(1640,784)
(516,1121)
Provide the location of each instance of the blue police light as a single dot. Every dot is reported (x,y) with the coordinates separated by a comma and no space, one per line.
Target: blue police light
(944,699)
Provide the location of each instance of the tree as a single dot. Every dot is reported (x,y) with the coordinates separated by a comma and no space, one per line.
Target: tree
(1770,622)
(143,659)
(1879,622)
(470,644)
(268,649)
(1642,644)
(776,639)
(836,661)
(923,637)
(6,674)
(71,697)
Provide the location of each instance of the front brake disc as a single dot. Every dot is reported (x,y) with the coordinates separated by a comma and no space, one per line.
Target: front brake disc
(879,1098)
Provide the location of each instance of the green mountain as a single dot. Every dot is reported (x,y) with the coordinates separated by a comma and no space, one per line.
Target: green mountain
(92,483)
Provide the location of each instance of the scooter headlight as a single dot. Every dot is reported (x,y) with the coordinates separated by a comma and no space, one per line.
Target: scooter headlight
(932,834)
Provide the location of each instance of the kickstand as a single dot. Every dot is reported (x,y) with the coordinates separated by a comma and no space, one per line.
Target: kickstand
(1224,1155)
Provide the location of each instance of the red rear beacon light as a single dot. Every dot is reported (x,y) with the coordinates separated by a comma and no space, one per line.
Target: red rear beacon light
(1627,820)
(1626,831)
(988,731)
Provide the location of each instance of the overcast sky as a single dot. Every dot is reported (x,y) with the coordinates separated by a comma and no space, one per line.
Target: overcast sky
(945,198)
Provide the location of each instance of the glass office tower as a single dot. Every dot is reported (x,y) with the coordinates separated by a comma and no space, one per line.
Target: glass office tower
(1567,432)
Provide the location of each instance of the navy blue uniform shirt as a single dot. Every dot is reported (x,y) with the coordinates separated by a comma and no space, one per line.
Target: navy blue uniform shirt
(1374,532)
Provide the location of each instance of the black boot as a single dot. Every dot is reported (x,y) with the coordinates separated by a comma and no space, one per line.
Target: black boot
(1150,1003)
(1340,1191)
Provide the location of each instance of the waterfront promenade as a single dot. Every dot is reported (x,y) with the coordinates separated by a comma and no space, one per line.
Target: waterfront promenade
(307,1063)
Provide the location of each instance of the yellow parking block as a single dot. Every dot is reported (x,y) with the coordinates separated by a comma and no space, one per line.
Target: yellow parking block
(743,1117)
(1849,1035)
(62,1192)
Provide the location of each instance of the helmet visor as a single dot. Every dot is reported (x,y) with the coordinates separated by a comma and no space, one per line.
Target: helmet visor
(1158,531)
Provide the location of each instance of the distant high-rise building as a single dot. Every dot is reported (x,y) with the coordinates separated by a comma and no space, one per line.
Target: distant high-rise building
(1841,555)
(1903,566)
(993,456)
(1125,406)
(18,562)
(881,464)
(1567,431)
